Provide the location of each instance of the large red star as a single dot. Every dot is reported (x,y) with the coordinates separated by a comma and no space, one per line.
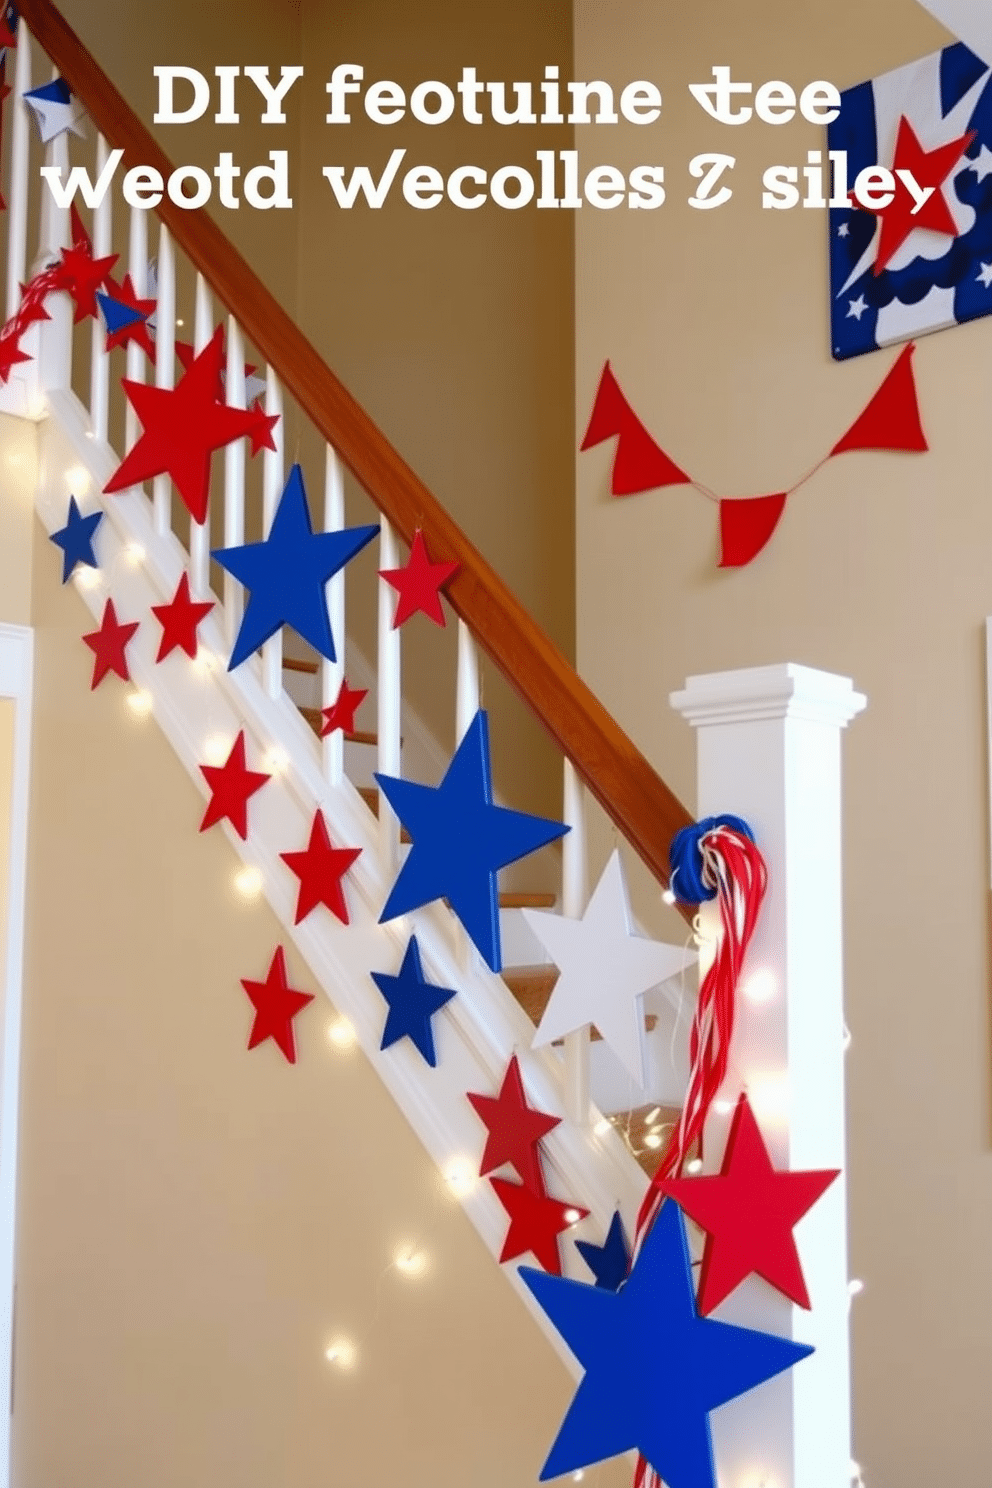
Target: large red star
(419,584)
(82,275)
(179,619)
(341,713)
(536,1221)
(138,330)
(231,784)
(108,646)
(748,1210)
(276,1004)
(320,870)
(182,427)
(929,168)
(515,1129)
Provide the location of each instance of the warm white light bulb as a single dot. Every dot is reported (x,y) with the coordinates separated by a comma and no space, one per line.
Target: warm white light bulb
(205,662)
(855,1287)
(411,1262)
(653,1140)
(217,748)
(652,1116)
(602,1127)
(248,881)
(342,1034)
(135,554)
(723,1107)
(140,702)
(572,1216)
(87,577)
(668,897)
(760,986)
(78,480)
(276,760)
(341,1353)
(694,1165)
(459,1175)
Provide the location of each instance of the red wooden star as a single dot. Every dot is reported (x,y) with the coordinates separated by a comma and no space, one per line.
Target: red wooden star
(185,354)
(179,619)
(108,645)
(138,330)
(320,870)
(260,434)
(276,1004)
(341,713)
(515,1129)
(182,427)
(748,1210)
(419,584)
(231,784)
(82,275)
(32,306)
(536,1221)
(10,355)
(930,168)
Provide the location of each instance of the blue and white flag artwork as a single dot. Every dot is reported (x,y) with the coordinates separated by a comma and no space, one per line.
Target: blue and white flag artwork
(911,267)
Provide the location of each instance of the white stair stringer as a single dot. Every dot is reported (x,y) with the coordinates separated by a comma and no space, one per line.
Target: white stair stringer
(477,1031)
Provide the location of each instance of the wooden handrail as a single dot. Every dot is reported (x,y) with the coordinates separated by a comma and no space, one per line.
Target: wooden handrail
(636,799)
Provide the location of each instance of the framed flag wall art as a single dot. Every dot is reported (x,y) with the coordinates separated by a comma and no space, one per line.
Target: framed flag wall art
(909,266)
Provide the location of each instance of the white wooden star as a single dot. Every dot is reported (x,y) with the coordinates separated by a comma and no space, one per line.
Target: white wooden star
(605,970)
(56,110)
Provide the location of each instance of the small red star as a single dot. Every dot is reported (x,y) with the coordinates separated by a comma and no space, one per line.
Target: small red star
(108,646)
(515,1129)
(341,713)
(179,620)
(10,355)
(82,275)
(260,435)
(536,1221)
(320,870)
(182,427)
(930,168)
(137,331)
(419,584)
(231,784)
(276,1004)
(748,1210)
(32,306)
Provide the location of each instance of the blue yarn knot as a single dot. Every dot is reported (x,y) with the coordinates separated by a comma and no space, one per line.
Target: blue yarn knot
(686,859)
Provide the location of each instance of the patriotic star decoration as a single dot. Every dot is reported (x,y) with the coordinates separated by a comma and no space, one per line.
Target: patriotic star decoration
(232,785)
(626,1399)
(605,971)
(413,1001)
(981,163)
(341,713)
(748,1211)
(514,1128)
(8,27)
(254,385)
(56,110)
(109,646)
(261,434)
(182,426)
(929,168)
(609,1262)
(419,584)
(179,620)
(536,1221)
(856,308)
(984,275)
(76,539)
(276,1005)
(287,574)
(10,355)
(460,841)
(320,869)
(81,276)
(126,316)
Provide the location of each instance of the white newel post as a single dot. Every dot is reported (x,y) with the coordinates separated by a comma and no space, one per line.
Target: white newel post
(769,751)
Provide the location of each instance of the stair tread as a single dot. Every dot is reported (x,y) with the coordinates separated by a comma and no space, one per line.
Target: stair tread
(300,664)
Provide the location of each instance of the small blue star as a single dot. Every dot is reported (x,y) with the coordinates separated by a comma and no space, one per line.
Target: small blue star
(413,1001)
(610,1261)
(624,1400)
(461,840)
(76,539)
(118,316)
(287,574)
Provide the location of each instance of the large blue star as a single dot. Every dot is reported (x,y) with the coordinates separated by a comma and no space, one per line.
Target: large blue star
(460,841)
(625,1401)
(286,574)
(76,539)
(610,1261)
(413,1001)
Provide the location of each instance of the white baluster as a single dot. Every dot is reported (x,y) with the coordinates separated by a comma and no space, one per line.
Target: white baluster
(55,233)
(332,672)
(53,357)
(199,532)
(467,685)
(99,356)
(234,478)
(165,354)
(574,892)
(137,267)
(389,698)
(273,479)
(20,145)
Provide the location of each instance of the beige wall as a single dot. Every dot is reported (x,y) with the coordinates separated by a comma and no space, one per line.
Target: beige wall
(717,326)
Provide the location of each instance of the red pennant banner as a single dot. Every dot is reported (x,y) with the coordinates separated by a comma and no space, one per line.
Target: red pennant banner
(639,463)
(891,420)
(746,526)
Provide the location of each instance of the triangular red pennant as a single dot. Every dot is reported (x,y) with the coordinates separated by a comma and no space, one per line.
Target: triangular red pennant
(639,463)
(891,420)
(746,525)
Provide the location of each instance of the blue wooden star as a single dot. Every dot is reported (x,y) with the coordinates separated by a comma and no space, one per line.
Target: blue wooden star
(287,574)
(608,1262)
(460,841)
(76,539)
(654,1369)
(413,1001)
